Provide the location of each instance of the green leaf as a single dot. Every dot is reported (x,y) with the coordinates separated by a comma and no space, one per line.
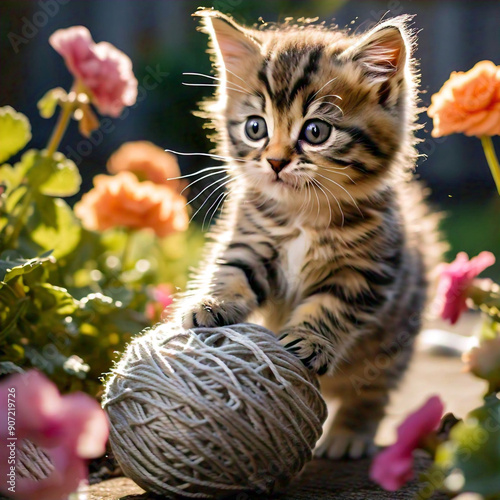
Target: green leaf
(10,323)
(473,451)
(48,103)
(53,226)
(53,300)
(54,176)
(14,198)
(10,268)
(65,179)
(15,132)
(12,177)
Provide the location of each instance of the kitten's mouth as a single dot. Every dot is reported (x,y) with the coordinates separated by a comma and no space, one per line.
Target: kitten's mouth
(279,180)
(282,182)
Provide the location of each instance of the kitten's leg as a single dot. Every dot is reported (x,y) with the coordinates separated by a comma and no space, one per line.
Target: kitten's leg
(320,331)
(331,336)
(352,431)
(362,384)
(239,283)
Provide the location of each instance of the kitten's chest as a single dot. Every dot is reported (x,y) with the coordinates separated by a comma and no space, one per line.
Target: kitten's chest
(293,256)
(304,259)
(299,256)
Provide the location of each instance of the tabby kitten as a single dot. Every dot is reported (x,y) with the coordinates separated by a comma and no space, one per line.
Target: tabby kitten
(323,239)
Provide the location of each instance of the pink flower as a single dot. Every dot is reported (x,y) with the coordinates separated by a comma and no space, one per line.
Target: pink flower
(455,279)
(70,429)
(393,467)
(100,69)
(162,298)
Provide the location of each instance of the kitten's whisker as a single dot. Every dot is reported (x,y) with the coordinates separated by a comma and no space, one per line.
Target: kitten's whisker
(328,95)
(214,85)
(220,204)
(316,93)
(330,211)
(246,83)
(223,203)
(306,200)
(325,96)
(197,173)
(222,179)
(335,106)
(338,168)
(311,188)
(221,195)
(215,78)
(211,155)
(330,167)
(317,199)
(338,173)
(336,200)
(210,195)
(229,191)
(201,178)
(343,189)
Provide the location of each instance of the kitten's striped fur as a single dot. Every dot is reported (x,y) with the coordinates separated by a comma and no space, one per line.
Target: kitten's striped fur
(331,251)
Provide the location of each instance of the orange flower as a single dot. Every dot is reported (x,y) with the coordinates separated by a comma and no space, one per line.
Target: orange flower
(147,161)
(468,102)
(121,200)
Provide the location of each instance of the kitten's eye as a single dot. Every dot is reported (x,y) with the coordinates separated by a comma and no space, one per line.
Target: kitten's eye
(316,131)
(256,128)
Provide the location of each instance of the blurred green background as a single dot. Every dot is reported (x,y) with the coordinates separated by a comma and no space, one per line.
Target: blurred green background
(161,38)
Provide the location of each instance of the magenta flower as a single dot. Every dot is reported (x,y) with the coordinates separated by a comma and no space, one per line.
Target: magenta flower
(455,279)
(101,70)
(70,429)
(162,298)
(393,467)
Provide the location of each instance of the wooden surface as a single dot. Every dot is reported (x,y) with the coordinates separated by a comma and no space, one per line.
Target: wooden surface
(321,480)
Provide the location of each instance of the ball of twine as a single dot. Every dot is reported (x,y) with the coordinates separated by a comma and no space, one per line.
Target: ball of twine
(32,462)
(213,411)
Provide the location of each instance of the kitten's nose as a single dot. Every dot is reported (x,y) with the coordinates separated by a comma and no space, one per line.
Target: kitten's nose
(278,164)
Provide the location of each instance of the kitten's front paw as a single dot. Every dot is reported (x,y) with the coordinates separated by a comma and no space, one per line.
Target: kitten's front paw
(212,312)
(341,443)
(313,351)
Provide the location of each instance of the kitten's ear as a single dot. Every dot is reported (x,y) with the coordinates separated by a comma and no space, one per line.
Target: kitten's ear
(383,51)
(233,44)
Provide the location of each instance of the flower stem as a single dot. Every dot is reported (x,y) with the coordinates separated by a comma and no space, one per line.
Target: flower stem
(492,159)
(430,443)
(61,126)
(493,387)
(11,241)
(127,248)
